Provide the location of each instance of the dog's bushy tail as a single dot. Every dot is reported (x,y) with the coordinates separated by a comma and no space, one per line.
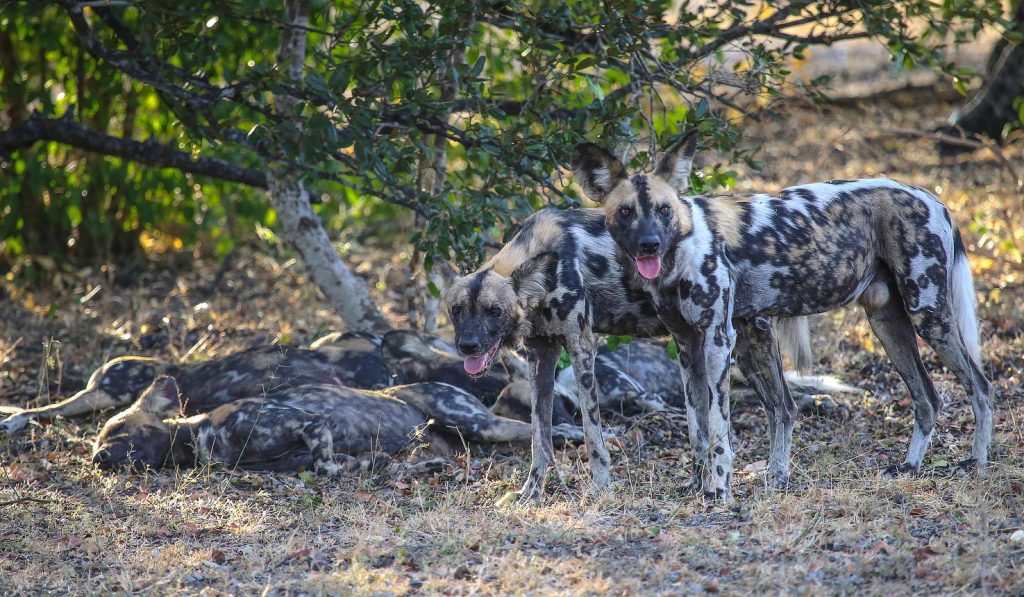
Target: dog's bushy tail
(964,298)
(795,341)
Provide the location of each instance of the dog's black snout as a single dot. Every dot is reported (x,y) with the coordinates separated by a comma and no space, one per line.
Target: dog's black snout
(649,245)
(470,347)
(102,458)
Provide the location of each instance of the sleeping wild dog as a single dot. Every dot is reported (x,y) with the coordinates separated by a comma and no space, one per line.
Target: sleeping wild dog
(207,385)
(708,262)
(312,426)
(351,359)
(557,282)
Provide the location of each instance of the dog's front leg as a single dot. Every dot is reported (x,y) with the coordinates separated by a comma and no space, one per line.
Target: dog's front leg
(757,354)
(689,346)
(718,342)
(582,351)
(543,356)
(81,403)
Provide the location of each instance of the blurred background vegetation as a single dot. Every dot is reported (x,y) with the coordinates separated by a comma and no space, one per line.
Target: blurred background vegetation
(448,120)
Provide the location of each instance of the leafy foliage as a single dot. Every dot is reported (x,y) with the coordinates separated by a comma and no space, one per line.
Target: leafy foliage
(494,94)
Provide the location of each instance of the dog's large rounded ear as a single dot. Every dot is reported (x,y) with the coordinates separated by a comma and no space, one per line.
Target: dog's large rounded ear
(446,274)
(532,279)
(596,170)
(161,397)
(676,163)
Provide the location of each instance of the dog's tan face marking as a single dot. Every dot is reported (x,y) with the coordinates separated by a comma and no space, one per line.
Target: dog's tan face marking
(488,309)
(643,212)
(139,436)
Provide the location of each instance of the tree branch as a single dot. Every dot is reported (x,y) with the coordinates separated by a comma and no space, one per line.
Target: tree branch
(150,152)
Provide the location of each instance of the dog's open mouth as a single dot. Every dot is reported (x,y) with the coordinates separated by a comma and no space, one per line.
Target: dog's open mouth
(649,267)
(478,365)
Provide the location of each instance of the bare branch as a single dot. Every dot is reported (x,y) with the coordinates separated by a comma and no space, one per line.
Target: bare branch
(152,153)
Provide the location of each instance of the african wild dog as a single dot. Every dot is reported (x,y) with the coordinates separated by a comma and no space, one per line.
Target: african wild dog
(557,282)
(709,262)
(308,426)
(351,359)
(210,384)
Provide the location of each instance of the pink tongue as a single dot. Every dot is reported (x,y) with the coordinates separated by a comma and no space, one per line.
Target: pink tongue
(474,365)
(649,267)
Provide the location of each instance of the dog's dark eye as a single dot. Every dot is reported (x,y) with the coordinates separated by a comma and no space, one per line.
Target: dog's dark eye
(456,310)
(494,311)
(625,211)
(663,210)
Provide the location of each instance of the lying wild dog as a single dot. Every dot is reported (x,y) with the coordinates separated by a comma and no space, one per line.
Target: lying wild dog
(210,384)
(711,265)
(308,426)
(557,282)
(351,359)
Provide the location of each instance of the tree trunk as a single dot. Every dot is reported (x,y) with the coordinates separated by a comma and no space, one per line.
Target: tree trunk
(991,108)
(290,198)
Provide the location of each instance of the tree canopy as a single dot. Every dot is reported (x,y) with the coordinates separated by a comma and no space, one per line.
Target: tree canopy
(124,118)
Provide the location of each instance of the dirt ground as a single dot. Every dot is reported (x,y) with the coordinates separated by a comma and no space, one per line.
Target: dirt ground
(843,528)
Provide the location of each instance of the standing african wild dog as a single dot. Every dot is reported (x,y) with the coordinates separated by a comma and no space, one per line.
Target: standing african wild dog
(559,280)
(710,261)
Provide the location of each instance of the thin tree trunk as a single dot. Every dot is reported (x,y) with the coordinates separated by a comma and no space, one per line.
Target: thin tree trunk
(290,198)
(991,108)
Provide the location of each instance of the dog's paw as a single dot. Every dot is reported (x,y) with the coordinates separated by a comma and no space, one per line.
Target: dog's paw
(720,496)
(329,468)
(424,467)
(531,491)
(15,423)
(778,480)
(896,470)
(967,467)
(568,432)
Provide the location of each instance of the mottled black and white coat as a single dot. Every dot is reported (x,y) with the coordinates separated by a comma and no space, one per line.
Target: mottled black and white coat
(559,281)
(326,428)
(713,261)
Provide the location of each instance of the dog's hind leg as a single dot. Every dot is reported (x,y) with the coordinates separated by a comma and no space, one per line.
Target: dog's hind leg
(582,351)
(464,415)
(318,438)
(543,356)
(893,327)
(942,335)
(941,307)
(758,357)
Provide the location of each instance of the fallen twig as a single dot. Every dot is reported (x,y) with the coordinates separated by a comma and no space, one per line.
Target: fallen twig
(20,500)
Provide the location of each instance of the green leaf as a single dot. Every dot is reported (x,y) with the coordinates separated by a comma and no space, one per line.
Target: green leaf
(478,66)
(307,478)
(673,350)
(702,108)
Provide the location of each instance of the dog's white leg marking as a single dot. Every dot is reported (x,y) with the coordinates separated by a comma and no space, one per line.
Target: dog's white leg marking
(718,345)
(582,351)
(542,358)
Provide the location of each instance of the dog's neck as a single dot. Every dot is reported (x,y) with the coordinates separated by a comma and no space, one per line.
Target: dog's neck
(184,434)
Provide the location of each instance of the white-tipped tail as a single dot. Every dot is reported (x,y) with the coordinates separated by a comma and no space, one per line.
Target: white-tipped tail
(964,300)
(795,341)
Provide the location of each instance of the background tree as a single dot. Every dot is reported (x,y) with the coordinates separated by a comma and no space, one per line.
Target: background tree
(999,104)
(457,112)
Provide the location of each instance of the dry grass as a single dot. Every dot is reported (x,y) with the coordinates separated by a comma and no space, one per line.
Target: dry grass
(844,529)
